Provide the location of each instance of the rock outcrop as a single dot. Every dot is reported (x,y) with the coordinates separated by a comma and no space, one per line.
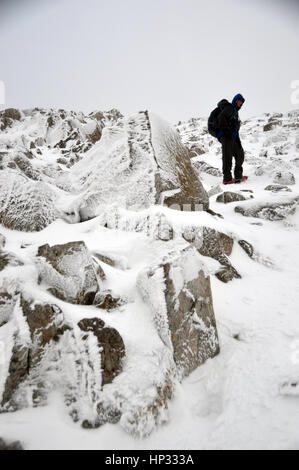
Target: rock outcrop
(25,205)
(179,295)
(269,210)
(216,245)
(146,164)
(284,178)
(111,344)
(229,196)
(276,188)
(70,272)
(45,352)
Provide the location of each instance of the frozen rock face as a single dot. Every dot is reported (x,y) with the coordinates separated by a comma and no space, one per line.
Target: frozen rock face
(25,204)
(175,169)
(179,295)
(44,353)
(269,210)
(136,164)
(132,162)
(69,271)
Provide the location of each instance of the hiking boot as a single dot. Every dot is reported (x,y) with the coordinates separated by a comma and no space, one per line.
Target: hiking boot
(240,180)
(228,182)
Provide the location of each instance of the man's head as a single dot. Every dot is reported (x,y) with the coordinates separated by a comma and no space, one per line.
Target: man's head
(238,101)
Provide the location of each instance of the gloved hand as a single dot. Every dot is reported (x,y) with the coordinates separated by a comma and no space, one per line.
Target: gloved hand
(235,135)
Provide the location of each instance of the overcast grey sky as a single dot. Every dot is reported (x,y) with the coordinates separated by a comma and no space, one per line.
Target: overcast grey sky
(174,57)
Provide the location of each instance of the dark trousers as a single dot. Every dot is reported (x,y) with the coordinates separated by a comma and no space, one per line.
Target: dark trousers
(232,148)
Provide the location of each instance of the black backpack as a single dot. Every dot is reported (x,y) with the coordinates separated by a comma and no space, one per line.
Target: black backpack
(213,126)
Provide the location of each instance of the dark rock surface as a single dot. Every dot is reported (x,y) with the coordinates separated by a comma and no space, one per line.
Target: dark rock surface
(111,343)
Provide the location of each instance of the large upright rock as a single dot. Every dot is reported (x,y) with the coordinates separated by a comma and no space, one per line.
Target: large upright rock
(69,271)
(35,327)
(135,165)
(179,294)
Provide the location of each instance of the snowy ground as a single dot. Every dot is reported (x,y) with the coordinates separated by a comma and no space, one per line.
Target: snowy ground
(242,399)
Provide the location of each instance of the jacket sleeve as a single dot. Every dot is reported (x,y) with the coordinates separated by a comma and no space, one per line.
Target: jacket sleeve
(225,117)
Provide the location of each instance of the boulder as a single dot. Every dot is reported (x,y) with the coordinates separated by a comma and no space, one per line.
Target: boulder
(26,167)
(269,211)
(216,245)
(25,205)
(12,113)
(271,125)
(70,272)
(229,196)
(275,188)
(179,295)
(8,259)
(284,178)
(8,116)
(107,301)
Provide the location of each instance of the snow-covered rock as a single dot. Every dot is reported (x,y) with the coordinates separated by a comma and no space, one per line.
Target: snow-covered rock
(284,178)
(179,294)
(135,165)
(46,353)
(229,196)
(25,204)
(269,210)
(70,272)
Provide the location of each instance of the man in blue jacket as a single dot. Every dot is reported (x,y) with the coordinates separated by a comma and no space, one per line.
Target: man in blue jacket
(228,125)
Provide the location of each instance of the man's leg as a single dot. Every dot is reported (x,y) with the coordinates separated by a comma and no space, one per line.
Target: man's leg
(227,155)
(238,153)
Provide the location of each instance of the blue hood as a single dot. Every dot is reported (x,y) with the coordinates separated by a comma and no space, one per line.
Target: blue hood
(237,97)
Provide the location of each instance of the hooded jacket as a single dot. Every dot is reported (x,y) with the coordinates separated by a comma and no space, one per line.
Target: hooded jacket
(228,118)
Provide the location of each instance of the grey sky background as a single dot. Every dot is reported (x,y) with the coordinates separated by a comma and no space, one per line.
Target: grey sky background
(177,58)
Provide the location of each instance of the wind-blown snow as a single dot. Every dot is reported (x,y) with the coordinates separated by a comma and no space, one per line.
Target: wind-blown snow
(243,398)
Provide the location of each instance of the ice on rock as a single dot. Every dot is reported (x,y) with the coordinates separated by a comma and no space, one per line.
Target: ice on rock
(25,204)
(69,271)
(179,295)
